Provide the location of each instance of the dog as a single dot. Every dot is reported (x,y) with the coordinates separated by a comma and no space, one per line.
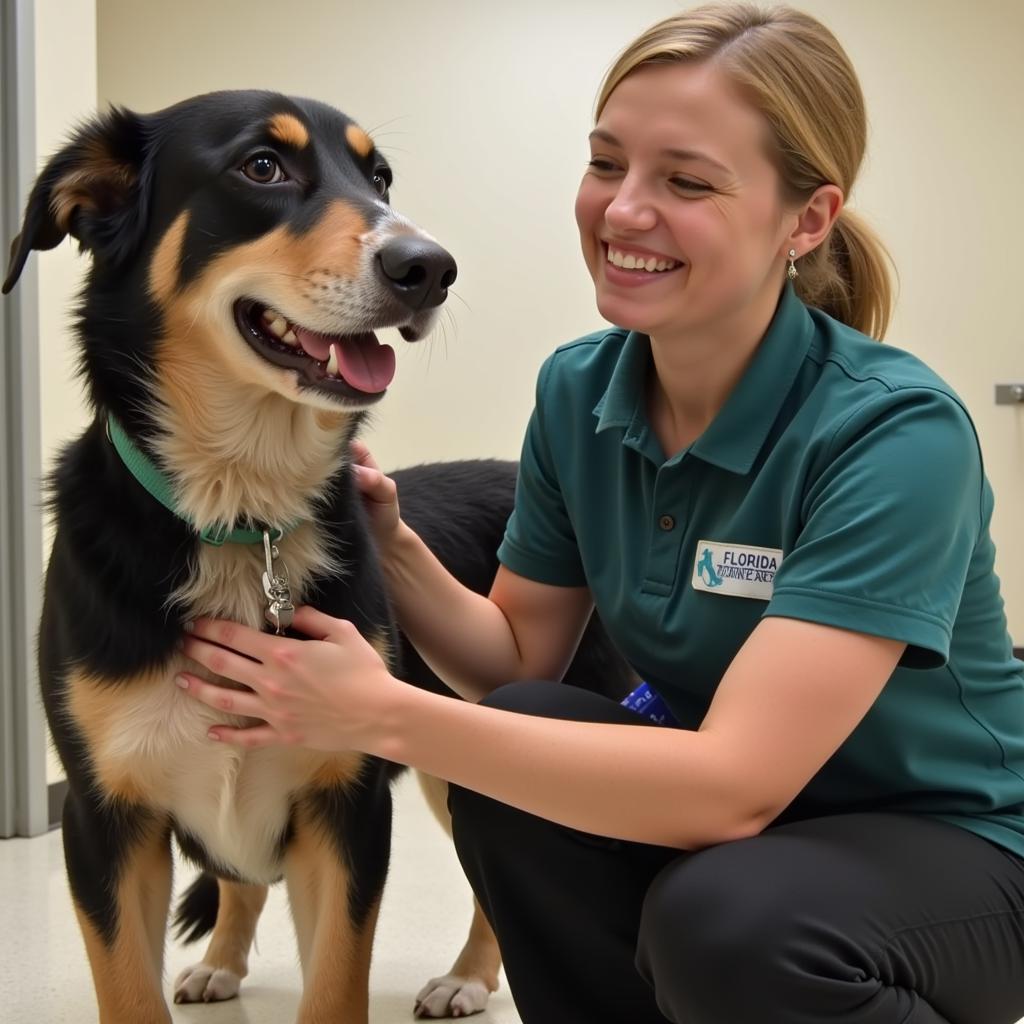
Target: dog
(244,250)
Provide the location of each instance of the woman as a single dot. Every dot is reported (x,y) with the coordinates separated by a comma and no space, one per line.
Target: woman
(784,525)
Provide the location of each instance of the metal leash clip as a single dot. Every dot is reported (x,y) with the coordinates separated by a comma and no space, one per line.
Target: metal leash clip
(275,586)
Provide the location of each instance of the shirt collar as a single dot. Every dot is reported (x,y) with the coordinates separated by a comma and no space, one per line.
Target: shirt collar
(736,435)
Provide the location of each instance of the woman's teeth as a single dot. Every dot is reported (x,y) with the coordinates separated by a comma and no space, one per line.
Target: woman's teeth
(652,264)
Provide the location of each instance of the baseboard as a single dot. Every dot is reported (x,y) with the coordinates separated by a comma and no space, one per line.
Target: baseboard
(56,791)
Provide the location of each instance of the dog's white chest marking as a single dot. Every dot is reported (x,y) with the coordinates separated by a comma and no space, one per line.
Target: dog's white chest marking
(151,738)
(236,803)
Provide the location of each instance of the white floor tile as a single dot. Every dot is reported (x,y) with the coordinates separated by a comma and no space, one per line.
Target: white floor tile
(44,975)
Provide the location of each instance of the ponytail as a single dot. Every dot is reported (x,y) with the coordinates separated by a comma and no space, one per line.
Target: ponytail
(850,277)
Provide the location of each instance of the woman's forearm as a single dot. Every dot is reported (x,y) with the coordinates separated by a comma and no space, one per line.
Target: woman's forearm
(668,787)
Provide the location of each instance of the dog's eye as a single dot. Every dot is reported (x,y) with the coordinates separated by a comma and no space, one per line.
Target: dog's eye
(382,181)
(264,169)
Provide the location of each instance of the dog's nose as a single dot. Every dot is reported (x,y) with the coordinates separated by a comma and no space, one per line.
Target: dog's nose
(417,271)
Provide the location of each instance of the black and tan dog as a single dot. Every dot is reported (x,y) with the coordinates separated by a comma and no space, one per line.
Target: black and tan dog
(244,251)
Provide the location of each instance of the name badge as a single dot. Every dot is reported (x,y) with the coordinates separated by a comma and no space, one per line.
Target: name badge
(735,570)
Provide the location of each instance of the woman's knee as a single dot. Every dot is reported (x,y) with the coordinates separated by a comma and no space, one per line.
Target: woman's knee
(711,917)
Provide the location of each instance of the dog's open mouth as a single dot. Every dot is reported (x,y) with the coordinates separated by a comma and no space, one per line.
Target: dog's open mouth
(355,366)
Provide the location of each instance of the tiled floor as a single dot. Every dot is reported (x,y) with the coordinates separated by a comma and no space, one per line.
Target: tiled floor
(44,977)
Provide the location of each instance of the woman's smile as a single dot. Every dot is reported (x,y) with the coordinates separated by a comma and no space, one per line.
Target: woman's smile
(632,267)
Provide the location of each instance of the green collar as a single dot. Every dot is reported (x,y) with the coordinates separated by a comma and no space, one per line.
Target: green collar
(159,486)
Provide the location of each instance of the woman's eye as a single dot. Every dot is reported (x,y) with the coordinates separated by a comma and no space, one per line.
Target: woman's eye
(690,186)
(597,164)
(382,182)
(264,169)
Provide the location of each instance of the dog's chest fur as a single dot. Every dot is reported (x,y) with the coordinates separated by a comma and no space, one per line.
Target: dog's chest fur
(227,582)
(235,804)
(150,739)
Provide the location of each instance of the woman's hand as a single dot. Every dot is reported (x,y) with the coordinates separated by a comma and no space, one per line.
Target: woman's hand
(380,495)
(331,692)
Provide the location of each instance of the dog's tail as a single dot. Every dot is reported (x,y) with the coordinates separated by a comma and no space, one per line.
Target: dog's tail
(197,909)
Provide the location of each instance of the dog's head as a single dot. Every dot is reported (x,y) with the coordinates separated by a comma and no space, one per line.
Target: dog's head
(240,241)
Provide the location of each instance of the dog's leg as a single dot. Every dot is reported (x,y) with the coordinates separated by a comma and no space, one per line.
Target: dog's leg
(119,868)
(226,961)
(335,866)
(474,975)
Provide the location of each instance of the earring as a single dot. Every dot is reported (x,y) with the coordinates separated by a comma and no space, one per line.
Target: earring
(792,272)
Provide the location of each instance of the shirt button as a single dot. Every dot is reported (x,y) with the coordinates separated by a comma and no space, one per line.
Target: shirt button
(667,522)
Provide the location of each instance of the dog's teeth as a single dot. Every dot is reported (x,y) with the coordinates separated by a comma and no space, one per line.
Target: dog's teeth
(269,315)
(289,337)
(332,363)
(279,326)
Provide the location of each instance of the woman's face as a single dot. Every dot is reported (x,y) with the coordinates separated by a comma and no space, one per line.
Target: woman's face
(681,191)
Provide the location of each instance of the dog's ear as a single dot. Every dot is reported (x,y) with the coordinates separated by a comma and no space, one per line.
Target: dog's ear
(95,189)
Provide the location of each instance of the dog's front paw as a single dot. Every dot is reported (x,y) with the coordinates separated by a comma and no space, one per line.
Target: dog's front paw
(202,983)
(451,996)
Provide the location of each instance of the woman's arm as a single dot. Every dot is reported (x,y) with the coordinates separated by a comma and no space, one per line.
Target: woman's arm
(792,695)
(522,630)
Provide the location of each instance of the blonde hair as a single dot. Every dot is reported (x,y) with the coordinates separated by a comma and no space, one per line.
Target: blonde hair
(791,69)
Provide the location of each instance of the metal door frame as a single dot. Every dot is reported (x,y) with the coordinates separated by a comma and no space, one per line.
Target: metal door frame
(23,794)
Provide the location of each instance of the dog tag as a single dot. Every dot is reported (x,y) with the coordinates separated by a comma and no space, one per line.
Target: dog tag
(280,609)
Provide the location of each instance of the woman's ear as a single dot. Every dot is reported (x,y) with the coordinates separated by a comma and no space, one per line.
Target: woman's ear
(95,189)
(815,220)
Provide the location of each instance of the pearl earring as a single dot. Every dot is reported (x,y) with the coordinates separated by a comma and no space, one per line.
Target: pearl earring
(792,272)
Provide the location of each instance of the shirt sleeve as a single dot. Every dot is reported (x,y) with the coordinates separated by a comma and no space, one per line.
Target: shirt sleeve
(540,542)
(890,525)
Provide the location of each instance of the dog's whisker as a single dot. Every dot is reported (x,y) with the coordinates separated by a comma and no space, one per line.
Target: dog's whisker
(372,132)
(455,295)
(454,324)
(450,315)
(195,318)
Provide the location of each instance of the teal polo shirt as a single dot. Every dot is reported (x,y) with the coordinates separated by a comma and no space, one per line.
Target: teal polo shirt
(841,483)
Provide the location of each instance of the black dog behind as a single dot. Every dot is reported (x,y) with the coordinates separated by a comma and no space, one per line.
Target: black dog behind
(243,253)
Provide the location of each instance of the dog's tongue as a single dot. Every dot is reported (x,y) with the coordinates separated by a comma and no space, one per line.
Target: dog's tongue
(363,361)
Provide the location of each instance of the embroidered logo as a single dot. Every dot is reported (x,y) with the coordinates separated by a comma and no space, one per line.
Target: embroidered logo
(735,570)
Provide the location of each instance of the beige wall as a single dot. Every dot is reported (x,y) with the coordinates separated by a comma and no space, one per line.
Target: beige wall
(65,95)
(483,107)
(65,83)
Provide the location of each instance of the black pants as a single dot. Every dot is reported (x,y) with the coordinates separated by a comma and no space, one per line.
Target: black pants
(859,918)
